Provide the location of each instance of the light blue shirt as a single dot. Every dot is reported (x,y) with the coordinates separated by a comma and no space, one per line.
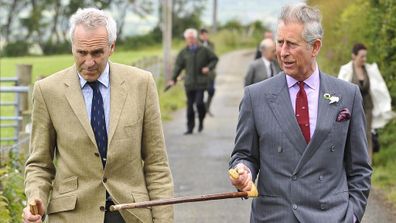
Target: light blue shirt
(311,88)
(104,89)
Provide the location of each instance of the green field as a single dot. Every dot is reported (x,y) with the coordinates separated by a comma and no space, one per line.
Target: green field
(47,65)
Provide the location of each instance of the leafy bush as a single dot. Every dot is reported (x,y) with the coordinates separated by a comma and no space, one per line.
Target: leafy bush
(5,216)
(138,42)
(17,48)
(12,197)
(51,48)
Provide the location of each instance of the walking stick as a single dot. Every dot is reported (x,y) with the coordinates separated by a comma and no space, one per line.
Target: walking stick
(167,87)
(33,207)
(187,199)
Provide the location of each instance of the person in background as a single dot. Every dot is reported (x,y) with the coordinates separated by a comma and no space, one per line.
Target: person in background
(204,40)
(264,67)
(302,134)
(266,35)
(97,137)
(198,61)
(376,98)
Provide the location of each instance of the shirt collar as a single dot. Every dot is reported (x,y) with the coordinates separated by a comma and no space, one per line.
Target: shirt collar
(266,62)
(312,81)
(103,78)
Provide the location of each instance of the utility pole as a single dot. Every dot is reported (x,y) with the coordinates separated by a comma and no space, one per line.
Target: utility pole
(214,18)
(167,37)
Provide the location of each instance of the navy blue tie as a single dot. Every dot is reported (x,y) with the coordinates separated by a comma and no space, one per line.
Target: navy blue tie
(98,121)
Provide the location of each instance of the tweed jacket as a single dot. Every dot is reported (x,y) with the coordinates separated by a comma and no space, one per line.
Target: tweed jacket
(64,169)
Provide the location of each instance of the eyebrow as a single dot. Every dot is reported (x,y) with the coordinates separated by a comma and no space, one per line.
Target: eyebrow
(101,50)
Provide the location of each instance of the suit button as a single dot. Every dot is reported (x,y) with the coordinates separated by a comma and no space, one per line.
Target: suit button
(320,178)
(295,206)
(102,208)
(332,148)
(104,179)
(323,206)
(280,149)
(97,154)
(294,177)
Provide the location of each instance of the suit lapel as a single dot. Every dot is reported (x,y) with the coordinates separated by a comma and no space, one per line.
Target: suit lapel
(118,94)
(283,111)
(75,98)
(326,117)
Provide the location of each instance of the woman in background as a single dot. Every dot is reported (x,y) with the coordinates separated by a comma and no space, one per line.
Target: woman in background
(376,98)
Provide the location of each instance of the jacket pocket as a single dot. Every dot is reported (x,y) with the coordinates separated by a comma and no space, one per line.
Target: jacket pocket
(69,184)
(142,214)
(60,204)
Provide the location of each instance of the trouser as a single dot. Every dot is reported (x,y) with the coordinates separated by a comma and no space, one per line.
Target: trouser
(211,91)
(195,97)
(211,88)
(112,217)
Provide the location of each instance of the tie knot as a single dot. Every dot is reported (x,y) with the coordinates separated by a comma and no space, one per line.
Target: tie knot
(94,85)
(301,84)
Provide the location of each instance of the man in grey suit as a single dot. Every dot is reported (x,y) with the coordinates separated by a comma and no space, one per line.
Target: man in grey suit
(263,67)
(302,133)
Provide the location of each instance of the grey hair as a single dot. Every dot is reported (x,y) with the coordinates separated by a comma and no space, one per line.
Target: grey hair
(190,30)
(308,16)
(92,18)
(266,43)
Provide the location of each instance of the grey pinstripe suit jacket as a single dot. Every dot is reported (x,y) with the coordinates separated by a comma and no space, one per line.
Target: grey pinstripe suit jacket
(326,181)
(257,72)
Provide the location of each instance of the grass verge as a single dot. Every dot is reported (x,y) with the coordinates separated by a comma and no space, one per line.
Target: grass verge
(384,163)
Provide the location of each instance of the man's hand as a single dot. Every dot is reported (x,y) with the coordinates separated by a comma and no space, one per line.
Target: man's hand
(29,217)
(244,180)
(205,70)
(171,82)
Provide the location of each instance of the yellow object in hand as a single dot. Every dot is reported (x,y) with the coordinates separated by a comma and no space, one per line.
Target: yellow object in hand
(233,173)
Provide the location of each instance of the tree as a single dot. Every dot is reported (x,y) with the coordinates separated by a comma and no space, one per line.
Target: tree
(185,14)
(139,7)
(10,8)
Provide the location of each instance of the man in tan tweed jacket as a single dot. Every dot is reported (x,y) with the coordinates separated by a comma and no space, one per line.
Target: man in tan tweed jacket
(66,175)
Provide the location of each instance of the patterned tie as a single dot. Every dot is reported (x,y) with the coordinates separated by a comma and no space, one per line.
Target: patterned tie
(302,113)
(98,121)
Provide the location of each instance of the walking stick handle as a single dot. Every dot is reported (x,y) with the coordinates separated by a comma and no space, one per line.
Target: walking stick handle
(234,175)
(33,208)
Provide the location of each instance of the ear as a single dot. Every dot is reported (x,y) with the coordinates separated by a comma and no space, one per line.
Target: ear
(316,47)
(353,56)
(112,48)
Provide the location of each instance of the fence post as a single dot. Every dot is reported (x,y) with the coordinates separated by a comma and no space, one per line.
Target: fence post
(24,75)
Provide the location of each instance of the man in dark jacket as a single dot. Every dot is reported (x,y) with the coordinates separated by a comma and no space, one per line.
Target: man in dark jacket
(197,61)
(204,40)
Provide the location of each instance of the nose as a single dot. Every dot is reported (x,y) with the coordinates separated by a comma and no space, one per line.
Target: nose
(89,61)
(284,50)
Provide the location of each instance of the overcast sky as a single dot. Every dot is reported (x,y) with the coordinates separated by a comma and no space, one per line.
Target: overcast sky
(244,11)
(266,11)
